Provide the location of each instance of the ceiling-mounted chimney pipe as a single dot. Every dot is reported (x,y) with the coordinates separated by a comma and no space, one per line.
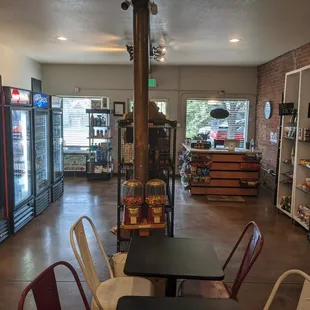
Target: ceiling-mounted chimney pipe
(141,16)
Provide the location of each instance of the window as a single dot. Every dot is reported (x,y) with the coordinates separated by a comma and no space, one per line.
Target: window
(199,121)
(75,121)
(161,104)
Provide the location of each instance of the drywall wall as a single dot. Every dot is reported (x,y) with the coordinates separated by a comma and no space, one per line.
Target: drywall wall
(16,69)
(175,83)
(270,86)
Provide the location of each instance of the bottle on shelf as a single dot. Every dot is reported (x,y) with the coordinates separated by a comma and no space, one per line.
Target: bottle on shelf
(92,120)
(97,133)
(104,121)
(252,145)
(293,155)
(101,133)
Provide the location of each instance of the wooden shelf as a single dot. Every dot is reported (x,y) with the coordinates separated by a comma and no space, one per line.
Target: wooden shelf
(304,166)
(303,190)
(144,226)
(287,176)
(288,163)
(289,185)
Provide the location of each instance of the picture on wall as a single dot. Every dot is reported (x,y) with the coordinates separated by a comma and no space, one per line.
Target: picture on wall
(119,108)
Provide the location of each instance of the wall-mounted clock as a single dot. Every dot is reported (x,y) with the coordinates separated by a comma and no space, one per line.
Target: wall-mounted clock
(268,109)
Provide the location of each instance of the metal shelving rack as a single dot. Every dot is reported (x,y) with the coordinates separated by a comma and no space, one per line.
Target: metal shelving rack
(99,163)
(162,158)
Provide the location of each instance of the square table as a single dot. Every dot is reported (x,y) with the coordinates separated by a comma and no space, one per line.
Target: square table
(170,303)
(173,258)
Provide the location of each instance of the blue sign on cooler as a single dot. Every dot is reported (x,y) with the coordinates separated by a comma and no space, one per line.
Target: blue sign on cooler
(40,100)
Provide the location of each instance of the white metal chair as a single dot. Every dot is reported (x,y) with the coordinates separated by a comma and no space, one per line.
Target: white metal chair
(107,293)
(304,299)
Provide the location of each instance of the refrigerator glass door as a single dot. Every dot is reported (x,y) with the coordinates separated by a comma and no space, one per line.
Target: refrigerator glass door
(41,148)
(57,146)
(21,135)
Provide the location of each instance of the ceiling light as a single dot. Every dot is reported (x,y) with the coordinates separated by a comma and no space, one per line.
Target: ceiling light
(61,38)
(164,49)
(234,40)
(162,59)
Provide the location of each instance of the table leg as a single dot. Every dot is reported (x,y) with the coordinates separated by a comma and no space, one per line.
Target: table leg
(171,287)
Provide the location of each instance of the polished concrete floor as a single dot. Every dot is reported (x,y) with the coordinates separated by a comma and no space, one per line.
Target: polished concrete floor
(46,240)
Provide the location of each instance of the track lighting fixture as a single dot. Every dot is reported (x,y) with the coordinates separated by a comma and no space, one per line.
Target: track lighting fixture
(157,53)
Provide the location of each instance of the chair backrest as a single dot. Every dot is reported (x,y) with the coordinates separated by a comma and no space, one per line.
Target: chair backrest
(304,300)
(84,257)
(251,254)
(45,292)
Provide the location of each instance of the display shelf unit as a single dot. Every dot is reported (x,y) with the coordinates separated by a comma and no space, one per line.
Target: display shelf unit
(294,149)
(162,158)
(99,165)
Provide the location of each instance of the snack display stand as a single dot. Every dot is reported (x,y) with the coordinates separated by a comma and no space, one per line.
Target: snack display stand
(220,172)
(157,217)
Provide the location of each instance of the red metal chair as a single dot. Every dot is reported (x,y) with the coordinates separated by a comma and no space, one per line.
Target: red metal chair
(216,289)
(44,289)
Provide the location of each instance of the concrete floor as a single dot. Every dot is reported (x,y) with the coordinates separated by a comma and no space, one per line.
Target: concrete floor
(46,240)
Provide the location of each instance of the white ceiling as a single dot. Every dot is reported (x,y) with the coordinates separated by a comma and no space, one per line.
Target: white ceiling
(195,31)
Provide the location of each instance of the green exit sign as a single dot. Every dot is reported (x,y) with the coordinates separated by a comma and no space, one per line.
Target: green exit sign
(152,82)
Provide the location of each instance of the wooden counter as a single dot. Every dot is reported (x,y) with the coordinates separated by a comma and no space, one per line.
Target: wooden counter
(231,172)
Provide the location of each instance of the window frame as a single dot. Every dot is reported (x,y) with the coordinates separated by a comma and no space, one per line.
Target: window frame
(155,100)
(247,115)
(68,148)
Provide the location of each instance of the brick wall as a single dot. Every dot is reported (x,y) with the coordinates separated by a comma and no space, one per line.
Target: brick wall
(271,78)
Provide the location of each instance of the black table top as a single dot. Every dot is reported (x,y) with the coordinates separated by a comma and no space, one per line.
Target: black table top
(179,258)
(172,303)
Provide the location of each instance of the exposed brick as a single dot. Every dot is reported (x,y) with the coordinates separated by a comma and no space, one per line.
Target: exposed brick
(270,85)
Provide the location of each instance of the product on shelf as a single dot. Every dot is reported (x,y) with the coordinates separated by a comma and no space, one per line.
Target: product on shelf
(200,144)
(132,198)
(293,154)
(290,132)
(305,162)
(285,203)
(306,185)
(288,161)
(304,134)
(288,182)
(156,198)
(303,213)
(248,183)
(289,174)
(128,153)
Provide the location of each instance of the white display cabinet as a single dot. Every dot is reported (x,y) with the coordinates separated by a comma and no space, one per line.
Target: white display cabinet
(294,148)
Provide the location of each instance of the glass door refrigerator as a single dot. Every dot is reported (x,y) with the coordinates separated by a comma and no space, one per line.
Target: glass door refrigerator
(42,184)
(16,110)
(4,214)
(57,167)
